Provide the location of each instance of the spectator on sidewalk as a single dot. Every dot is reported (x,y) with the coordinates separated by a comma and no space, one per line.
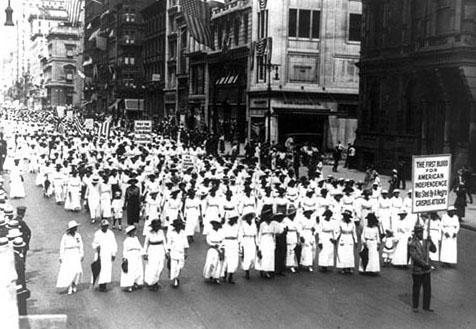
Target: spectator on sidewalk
(350,159)
(393,182)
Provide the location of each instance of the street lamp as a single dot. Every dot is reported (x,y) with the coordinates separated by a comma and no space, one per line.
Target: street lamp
(9,12)
(270,67)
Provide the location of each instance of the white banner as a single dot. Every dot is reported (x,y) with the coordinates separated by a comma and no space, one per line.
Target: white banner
(89,124)
(431,182)
(143,131)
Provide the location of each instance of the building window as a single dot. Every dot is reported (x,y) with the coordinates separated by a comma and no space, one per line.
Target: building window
(304,23)
(261,71)
(245,28)
(292,23)
(355,25)
(236,31)
(198,80)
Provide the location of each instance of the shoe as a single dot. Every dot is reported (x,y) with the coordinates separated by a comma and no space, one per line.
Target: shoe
(311,269)
(75,289)
(129,289)
(70,290)
(429,310)
(293,270)
(415,310)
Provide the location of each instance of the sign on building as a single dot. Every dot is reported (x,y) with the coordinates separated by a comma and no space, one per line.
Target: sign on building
(431,182)
(143,131)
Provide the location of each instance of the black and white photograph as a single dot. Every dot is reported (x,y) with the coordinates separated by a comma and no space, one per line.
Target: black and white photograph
(248,164)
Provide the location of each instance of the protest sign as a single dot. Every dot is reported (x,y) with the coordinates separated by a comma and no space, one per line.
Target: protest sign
(431,183)
(142,131)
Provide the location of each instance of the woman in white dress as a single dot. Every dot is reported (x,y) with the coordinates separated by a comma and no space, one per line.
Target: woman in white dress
(231,245)
(213,210)
(435,235)
(192,213)
(71,256)
(17,189)
(106,198)
(133,277)
(155,249)
(449,241)
(215,254)
(346,241)
(177,245)
(73,193)
(152,206)
(247,238)
(327,238)
(371,240)
(403,231)
(266,244)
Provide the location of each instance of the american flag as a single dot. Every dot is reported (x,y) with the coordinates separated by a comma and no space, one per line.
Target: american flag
(261,47)
(74,7)
(78,125)
(197,16)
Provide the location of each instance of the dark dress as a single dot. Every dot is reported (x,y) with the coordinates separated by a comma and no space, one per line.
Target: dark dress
(280,253)
(460,202)
(132,199)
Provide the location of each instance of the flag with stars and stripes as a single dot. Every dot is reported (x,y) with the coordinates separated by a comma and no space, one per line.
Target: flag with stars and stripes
(105,128)
(78,126)
(197,17)
(262,4)
(74,7)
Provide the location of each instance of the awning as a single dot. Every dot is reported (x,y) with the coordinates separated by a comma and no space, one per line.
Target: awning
(134,104)
(114,105)
(228,79)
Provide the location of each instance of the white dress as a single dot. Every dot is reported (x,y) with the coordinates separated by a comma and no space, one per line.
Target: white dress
(247,238)
(326,231)
(106,199)
(155,246)
(71,253)
(108,249)
(403,230)
(449,245)
(435,235)
(213,263)
(231,248)
(177,243)
(291,241)
(192,214)
(267,245)
(132,251)
(17,189)
(73,197)
(345,245)
(308,231)
(371,237)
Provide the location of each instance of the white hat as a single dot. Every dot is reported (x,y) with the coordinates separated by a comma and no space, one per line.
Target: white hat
(451,208)
(72,224)
(130,228)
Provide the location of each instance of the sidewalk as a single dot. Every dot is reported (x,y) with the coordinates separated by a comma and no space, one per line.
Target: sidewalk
(469,221)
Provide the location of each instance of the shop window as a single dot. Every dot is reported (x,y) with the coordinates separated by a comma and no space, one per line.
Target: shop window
(303,69)
(355,25)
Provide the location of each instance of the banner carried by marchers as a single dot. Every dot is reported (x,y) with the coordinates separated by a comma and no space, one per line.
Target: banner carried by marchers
(431,182)
(143,131)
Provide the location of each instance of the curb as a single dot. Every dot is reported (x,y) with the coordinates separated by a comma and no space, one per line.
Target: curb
(468,227)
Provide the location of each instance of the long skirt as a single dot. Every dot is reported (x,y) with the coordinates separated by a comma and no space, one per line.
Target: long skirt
(345,256)
(326,254)
(232,256)
(249,253)
(291,260)
(70,269)
(400,258)
(213,265)
(192,223)
(155,264)
(373,266)
(106,209)
(135,272)
(449,250)
(307,254)
(176,265)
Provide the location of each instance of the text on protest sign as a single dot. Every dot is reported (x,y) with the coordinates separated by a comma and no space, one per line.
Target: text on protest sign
(143,131)
(431,183)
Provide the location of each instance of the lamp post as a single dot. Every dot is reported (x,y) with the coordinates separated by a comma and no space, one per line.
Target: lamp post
(270,67)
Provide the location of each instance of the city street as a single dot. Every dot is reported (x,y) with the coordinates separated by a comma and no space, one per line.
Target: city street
(303,300)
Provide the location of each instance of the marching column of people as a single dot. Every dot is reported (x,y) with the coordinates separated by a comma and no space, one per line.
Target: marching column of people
(267,220)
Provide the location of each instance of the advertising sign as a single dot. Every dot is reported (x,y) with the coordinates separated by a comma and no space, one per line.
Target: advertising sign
(431,182)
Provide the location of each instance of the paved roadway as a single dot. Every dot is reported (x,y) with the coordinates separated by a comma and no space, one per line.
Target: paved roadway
(303,300)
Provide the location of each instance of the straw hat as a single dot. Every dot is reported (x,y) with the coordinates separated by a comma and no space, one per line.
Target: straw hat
(72,224)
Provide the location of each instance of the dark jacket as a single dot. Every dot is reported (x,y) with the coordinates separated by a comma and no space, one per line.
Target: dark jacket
(419,252)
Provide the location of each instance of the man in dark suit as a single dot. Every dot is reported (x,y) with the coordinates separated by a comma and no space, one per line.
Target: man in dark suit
(419,252)
(3,152)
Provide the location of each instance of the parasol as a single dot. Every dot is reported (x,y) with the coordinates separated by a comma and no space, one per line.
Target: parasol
(96,268)
(364,256)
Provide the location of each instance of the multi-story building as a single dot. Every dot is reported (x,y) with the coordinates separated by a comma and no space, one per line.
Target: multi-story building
(62,83)
(310,90)
(418,73)
(113,46)
(153,54)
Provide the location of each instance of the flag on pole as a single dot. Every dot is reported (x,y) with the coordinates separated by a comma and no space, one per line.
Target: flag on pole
(261,47)
(78,125)
(74,7)
(197,16)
